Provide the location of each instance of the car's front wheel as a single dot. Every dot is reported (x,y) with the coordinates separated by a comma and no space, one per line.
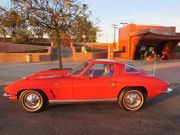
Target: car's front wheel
(131,99)
(32,100)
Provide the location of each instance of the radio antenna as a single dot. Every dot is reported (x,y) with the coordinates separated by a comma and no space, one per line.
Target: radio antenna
(154,69)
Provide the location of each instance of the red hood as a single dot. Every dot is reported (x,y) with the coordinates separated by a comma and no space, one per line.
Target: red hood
(49,74)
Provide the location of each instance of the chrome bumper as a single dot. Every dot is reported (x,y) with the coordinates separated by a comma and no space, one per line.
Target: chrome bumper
(168,90)
(7,95)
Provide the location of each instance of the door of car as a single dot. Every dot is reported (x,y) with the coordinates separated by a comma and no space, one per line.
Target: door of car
(95,84)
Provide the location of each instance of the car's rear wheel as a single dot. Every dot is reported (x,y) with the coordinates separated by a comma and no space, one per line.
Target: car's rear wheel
(131,99)
(32,100)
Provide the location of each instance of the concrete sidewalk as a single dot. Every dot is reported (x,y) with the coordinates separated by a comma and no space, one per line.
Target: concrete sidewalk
(10,72)
(165,70)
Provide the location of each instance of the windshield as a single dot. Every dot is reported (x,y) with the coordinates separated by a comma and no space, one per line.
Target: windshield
(79,69)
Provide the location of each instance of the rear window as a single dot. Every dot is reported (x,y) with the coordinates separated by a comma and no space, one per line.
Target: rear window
(131,69)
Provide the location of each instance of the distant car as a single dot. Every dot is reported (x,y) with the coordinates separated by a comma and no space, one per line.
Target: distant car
(93,81)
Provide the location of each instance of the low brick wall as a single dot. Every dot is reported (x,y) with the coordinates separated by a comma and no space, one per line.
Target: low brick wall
(21,57)
(10,47)
(100,55)
(40,40)
(102,46)
(90,55)
(177,55)
(36,40)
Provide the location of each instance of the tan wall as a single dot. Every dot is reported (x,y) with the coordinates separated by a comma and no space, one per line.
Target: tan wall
(82,56)
(21,57)
(88,56)
(10,47)
(103,46)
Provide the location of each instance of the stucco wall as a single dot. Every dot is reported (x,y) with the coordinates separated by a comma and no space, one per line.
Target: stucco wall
(21,57)
(10,47)
(103,46)
(90,55)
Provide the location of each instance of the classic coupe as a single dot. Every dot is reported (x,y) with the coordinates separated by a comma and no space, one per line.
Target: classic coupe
(93,81)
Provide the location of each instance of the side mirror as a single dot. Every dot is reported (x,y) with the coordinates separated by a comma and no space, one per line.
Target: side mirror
(91,75)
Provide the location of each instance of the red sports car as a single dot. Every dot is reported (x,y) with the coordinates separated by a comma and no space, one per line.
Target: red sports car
(94,80)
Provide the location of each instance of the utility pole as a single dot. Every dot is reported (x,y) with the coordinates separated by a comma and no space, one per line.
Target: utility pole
(115,26)
(83,49)
(124,24)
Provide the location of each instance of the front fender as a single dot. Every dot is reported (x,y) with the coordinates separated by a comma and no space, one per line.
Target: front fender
(35,84)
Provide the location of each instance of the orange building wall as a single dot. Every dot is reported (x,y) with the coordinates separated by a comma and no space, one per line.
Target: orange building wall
(165,29)
(128,43)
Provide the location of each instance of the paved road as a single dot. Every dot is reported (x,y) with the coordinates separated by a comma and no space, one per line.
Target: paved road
(160,116)
(10,72)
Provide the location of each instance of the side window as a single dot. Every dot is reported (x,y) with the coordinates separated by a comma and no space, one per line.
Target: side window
(130,69)
(100,70)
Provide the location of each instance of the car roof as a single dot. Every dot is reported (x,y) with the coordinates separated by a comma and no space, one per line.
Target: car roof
(105,61)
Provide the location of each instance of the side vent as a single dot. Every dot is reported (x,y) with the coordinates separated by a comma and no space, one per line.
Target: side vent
(53,95)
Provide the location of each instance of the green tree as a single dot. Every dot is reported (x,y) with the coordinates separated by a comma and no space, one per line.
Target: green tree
(86,27)
(58,17)
(14,24)
(3,31)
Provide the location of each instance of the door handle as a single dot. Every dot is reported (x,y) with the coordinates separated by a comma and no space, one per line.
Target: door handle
(114,83)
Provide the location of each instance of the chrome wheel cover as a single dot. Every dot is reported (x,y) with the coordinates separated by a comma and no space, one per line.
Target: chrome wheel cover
(133,99)
(32,101)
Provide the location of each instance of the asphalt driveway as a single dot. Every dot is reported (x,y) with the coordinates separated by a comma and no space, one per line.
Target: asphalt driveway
(160,116)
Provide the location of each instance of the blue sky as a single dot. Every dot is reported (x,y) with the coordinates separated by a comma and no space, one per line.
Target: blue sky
(142,12)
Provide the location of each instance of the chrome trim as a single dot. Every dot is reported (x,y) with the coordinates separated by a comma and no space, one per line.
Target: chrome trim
(81,100)
(32,101)
(168,90)
(7,95)
(133,99)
